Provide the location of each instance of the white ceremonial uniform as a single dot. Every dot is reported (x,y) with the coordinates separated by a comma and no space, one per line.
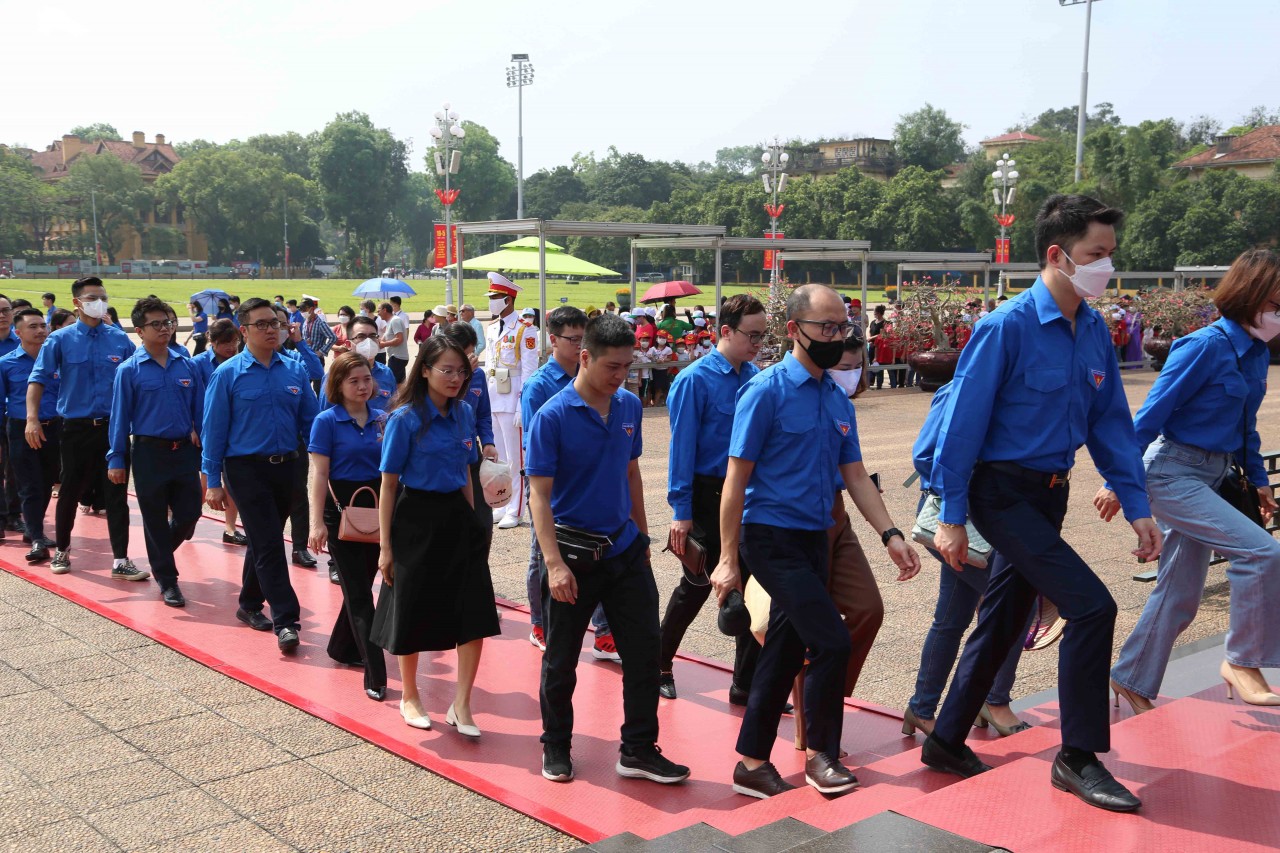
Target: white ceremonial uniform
(511,357)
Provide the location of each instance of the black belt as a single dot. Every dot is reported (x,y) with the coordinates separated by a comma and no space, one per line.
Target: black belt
(1040,478)
(89,422)
(168,443)
(23,421)
(271,459)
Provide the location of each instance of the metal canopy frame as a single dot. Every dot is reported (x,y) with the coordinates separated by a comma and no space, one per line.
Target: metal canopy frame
(904,260)
(1181,274)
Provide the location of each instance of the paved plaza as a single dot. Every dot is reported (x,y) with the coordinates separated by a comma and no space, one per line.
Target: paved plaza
(111,741)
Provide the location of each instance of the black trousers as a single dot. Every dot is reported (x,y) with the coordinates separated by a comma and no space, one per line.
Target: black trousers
(36,471)
(167,481)
(687,599)
(624,585)
(12,503)
(263,492)
(397,367)
(83,449)
(792,567)
(1023,521)
(357,565)
(300,502)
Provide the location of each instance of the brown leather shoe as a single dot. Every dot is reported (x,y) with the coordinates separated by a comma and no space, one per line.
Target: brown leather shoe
(828,775)
(763,782)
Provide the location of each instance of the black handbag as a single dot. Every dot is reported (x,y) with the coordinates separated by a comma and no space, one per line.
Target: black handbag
(1236,488)
(581,550)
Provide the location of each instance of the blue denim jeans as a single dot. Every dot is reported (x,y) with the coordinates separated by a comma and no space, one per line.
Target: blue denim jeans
(1182,482)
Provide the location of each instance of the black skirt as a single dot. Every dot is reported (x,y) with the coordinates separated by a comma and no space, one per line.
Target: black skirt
(441,595)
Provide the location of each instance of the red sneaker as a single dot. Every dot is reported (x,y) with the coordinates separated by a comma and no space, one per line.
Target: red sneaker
(605,649)
(538,638)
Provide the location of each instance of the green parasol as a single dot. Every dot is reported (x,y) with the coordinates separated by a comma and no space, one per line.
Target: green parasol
(522,256)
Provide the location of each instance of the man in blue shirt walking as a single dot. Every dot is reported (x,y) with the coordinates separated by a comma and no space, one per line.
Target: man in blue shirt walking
(257,409)
(84,357)
(1043,361)
(584,469)
(10,504)
(158,399)
(701,404)
(35,470)
(794,432)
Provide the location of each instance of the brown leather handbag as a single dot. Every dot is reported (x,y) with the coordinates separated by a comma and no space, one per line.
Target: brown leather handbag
(358,523)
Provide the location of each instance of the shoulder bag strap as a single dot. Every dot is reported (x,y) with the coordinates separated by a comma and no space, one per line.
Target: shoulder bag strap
(1244,415)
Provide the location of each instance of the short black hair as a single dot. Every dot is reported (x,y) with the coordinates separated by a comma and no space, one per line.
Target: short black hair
(565,317)
(606,332)
(250,305)
(348,309)
(1064,219)
(78,286)
(290,302)
(386,306)
(308,303)
(853,342)
(463,334)
(49,296)
(60,316)
(1002,298)
(395,300)
(26,312)
(147,305)
(235,298)
(361,318)
(280,296)
(733,309)
(18,304)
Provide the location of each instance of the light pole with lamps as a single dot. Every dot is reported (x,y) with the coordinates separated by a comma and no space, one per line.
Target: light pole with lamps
(1084,81)
(1006,178)
(519,76)
(775,181)
(447,133)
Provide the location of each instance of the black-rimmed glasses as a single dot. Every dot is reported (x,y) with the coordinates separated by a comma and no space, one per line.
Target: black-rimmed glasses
(756,338)
(267,325)
(830,330)
(161,325)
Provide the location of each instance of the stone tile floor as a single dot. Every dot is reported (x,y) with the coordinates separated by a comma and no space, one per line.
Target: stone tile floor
(110,741)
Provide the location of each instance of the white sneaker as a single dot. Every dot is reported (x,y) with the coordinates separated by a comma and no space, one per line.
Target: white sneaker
(499,514)
(508,522)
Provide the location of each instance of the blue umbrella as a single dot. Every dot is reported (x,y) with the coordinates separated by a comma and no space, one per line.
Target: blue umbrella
(208,300)
(381,288)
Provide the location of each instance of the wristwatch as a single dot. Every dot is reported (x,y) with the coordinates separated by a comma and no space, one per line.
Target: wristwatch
(889,534)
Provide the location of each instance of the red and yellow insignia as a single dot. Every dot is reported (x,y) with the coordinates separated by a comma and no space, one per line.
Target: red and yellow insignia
(529,342)
(1098,376)
(844,427)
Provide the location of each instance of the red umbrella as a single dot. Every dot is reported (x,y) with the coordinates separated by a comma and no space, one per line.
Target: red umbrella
(669,290)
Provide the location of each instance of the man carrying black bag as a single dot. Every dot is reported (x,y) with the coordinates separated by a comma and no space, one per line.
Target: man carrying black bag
(587,500)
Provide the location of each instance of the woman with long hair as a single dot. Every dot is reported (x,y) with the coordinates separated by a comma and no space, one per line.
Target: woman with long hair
(345,448)
(223,342)
(1200,419)
(437,593)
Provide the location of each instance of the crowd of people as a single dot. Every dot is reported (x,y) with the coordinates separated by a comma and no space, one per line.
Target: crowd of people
(278,416)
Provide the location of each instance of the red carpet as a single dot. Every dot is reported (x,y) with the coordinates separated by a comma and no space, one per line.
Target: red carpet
(1204,767)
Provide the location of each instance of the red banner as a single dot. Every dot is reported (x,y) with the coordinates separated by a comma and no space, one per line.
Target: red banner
(768,253)
(1002,250)
(441,259)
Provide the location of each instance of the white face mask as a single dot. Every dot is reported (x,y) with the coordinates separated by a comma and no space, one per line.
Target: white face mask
(284,336)
(1090,280)
(1265,326)
(344,319)
(97,309)
(497,306)
(847,379)
(367,348)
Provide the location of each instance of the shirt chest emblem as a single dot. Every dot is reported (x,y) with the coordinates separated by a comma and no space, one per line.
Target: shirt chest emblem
(629,429)
(185,383)
(1098,377)
(466,442)
(114,359)
(383,392)
(843,426)
(475,391)
(292,389)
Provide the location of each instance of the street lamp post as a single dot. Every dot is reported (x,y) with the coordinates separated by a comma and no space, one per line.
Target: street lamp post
(519,76)
(447,133)
(1006,178)
(775,181)
(284,204)
(97,251)
(1084,81)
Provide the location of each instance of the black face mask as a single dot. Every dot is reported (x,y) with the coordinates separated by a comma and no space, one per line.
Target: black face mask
(824,354)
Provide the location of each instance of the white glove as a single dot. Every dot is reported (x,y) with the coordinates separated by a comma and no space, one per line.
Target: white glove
(516,420)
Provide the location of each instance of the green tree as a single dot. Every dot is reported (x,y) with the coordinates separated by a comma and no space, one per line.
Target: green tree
(28,207)
(415,213)
(94,132)
(293,149)
(913,214)
(928,138)
(740,159)
(629,180)
(548,190)
(486,182)
(121,198)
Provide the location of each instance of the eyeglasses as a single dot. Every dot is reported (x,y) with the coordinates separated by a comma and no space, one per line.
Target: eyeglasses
(449,372)
(756,338)
(5,312)
(265,325)
(830,330)
(369,336)
(161,325)
(576,340)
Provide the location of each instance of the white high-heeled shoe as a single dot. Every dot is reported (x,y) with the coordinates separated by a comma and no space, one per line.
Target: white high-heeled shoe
(1255,694)
(423,722)
(463,728)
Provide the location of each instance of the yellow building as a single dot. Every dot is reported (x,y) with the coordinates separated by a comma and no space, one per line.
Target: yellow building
(875,158)
(1253,155)
(997,146)
(153,159)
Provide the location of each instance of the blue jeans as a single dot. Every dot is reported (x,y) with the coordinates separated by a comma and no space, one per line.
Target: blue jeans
(1182,482)
(958,596)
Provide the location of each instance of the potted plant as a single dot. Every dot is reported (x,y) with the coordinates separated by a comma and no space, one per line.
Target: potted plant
(931,328)
(1170,314)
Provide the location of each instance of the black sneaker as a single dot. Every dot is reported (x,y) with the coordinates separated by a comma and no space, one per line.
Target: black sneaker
(763,782)
(61,563)
(254,619)
(172,596)
(648,762)
(127,571)
(556,763)
(666,685)
(287,639)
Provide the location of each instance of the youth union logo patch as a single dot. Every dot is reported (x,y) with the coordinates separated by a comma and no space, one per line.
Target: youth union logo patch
(466,442)
(185,383)
(1098,376)
(629,429)
(843,426)
(114,359)
(292,389)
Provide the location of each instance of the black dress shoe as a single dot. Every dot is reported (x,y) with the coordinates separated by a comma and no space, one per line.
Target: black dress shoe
(38,553)
(763,782)
(254,619)
(1095,785)
(377,694)
(828,775)
(236,538)
(965,765)
(302,557)
(287,640)
(666,685)
(172,596)
(738,696)
(15,524)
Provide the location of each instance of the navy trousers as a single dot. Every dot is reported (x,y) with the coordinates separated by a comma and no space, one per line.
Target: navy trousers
(263,493)
(791,565)
(36,471)
(167,481)
(1023,520)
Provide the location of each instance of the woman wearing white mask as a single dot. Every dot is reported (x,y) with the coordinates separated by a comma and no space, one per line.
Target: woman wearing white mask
(1200,419)
(848,371)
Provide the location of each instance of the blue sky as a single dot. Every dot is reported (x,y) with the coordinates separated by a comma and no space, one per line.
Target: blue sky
(671,80)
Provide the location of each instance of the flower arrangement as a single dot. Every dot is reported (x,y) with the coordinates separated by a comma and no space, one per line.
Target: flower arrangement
(1172,314)
(934,316)
(776,343)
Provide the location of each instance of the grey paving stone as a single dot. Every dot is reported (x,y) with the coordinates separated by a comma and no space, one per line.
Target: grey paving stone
(65,836)
(235,755)
(24,656)
(239,837)
(75,671)
(320,823)
(274,788)
(116,786)
(890,832)
(774,837)
(52,729)
(161,818)
(64,760)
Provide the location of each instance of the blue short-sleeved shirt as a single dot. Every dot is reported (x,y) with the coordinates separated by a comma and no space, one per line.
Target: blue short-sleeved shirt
(9,343)
(478,398)
(354,451)
(254,410)
(798,431)
(434,461)
(200,323)
(590,490)
(384,388)
(701,405)
(15,372)
(547,381)
(85,359)
(161,402)
(1029,391)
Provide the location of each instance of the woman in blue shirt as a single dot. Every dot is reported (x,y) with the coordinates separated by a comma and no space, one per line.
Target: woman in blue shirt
(1200,415)
(345,447)
(224,342)
(477,396)
(437,593)
(199,327)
